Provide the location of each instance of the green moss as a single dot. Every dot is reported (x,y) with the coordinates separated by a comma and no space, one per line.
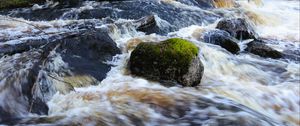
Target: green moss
(172,56)
(180,49)
(4,4)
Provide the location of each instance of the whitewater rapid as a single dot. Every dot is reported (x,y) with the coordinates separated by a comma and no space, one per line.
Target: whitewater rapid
(247,79)
(271,87)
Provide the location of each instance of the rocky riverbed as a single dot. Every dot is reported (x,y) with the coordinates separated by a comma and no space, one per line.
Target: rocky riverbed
(150,62)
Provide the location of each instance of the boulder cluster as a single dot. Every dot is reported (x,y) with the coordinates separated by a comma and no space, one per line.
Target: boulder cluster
(230,33)
(176,61)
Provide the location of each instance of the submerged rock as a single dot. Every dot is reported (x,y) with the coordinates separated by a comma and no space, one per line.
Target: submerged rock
(293,55)
(223,39)
(259,48)
(173,60)
(185,109)
(238,28)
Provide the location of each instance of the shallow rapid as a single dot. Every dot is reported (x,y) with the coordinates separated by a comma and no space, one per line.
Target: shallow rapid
(242,89)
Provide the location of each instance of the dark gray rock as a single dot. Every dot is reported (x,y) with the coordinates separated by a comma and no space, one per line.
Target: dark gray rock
(238,28)
(260,48)
(149,25)
(10,49)
(194,74)
(75,61)
(223,39)
(31,77)
(85,53)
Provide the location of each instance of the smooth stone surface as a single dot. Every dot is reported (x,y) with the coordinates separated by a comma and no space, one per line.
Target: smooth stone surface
(223,39)
(238,28)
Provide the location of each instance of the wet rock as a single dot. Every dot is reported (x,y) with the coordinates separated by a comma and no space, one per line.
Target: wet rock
(8,4)
(18,74)
(29,79)
(20,46)
(166,11)
(238,28)
(94,13)
(68,3)
(86,52)
(10,49)
(147,24)
(173,60)
(55,10)
(223,39)
(152,24)
(257,47)
(200,3)
(76,61)
(45,14)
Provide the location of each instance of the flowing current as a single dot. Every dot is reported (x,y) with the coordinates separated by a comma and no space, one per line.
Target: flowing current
(242,89)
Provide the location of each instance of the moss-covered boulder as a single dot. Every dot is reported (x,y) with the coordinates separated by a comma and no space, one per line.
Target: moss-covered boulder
(7,4)
(173,60)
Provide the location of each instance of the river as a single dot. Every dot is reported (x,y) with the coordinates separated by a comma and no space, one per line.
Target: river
(242,89)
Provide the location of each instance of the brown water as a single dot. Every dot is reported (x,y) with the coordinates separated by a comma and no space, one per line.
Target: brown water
(244,89)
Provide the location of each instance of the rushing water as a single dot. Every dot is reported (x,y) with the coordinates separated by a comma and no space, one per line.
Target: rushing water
(242,89)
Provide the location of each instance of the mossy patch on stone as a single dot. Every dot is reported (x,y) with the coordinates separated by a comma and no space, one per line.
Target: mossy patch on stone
(175,51)
(166,60)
